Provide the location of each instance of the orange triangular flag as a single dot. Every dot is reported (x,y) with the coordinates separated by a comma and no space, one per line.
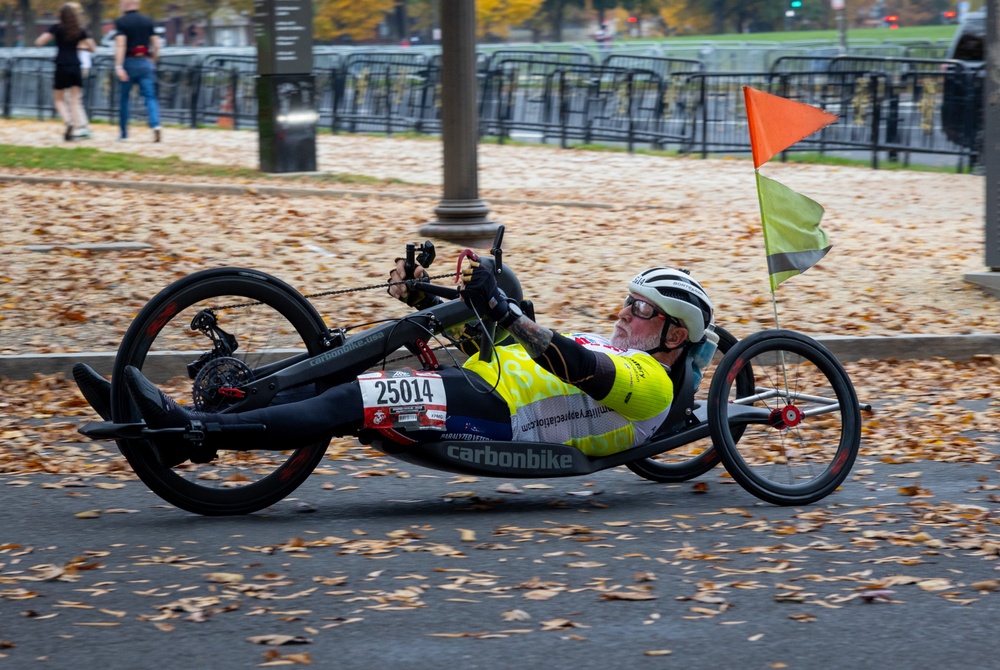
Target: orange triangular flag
(777,123)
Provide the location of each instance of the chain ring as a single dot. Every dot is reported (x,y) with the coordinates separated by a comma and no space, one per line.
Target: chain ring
(219,373)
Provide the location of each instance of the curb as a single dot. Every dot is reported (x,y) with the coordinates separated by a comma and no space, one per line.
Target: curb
(294,191)
(847,349)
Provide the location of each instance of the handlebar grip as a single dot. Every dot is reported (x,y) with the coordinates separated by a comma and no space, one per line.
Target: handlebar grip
(486,342)
(434,289)
(409,263)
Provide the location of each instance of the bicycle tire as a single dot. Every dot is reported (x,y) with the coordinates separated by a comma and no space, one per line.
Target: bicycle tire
(251,300)
(704,459)
(810,440)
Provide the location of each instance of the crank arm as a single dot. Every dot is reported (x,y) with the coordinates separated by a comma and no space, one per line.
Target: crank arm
(108,430)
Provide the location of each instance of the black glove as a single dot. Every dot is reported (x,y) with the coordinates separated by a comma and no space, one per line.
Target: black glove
(483,294)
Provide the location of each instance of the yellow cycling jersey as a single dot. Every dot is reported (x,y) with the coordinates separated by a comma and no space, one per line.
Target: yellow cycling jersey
(546,409)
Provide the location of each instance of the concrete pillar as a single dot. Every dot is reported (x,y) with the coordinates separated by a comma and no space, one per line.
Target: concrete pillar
(990,279)
(462,217)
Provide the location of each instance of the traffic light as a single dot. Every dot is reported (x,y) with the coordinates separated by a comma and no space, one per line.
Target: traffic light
(796,4)
(891,20)
(631,19)
(949,16)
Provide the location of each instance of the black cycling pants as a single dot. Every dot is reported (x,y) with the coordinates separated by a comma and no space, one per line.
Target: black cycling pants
(475,410)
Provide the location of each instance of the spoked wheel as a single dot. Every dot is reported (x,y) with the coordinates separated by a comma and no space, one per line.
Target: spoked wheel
(694,459)
(200,340)
(801,427)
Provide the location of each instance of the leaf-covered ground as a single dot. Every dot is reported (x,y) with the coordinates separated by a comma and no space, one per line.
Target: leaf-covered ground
(902,242)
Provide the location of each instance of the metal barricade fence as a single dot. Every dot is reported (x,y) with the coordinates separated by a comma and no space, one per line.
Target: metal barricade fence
(889,105)
(28,87)
(385,93)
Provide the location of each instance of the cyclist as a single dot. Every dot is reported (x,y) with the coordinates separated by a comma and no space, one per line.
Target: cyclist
(599,395)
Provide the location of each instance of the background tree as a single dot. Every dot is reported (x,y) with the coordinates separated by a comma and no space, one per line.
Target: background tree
(196,10)
(602,7)
(9,9)
(643,10)
(424,16)
(683,17)
(495,17)
(349,18)
(94,11)
(550,18)
(28,31)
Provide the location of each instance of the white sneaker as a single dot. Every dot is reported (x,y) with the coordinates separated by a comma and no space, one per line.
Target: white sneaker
(83,134)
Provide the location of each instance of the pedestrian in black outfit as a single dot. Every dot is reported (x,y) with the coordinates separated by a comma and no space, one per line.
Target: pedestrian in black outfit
(67,96)
(137,48)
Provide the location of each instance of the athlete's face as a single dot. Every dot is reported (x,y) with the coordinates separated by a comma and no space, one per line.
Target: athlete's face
(632,332)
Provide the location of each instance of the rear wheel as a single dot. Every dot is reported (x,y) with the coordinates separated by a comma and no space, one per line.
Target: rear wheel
(694,459)
(201,339)
(798,432)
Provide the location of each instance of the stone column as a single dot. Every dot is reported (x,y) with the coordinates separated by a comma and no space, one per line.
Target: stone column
(990,157)
(462,217)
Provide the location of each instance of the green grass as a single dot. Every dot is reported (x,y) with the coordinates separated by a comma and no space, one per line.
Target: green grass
(812,158)
(929,33)
(94,160)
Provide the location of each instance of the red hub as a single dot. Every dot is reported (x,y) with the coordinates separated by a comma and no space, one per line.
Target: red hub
(788,416)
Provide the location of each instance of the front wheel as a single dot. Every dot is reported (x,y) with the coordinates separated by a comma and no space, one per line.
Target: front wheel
(201,339)
(800,429)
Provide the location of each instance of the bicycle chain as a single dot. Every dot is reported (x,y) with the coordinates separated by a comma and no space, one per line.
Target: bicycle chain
(358,289)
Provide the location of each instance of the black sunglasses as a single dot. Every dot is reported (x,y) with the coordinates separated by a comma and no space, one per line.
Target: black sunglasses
(642,309)
(645,311)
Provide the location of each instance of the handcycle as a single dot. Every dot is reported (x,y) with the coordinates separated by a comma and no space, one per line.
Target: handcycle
(781,413)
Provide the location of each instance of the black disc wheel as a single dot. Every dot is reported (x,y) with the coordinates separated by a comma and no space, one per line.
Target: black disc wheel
(800,428)
(201,339)
(694,459)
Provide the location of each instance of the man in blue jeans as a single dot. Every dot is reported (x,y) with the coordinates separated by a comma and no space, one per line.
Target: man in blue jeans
(137,48)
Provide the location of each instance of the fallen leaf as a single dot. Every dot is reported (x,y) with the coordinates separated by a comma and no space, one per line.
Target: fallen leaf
(277,640)
(874,595)
(987,585)
(516,615)
(627,595)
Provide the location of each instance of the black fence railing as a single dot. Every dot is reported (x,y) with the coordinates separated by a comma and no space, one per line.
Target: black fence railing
(889,106)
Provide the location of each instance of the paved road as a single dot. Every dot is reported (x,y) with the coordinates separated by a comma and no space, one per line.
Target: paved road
(382,571)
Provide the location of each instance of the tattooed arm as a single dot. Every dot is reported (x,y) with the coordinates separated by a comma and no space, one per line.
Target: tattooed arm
(531,336)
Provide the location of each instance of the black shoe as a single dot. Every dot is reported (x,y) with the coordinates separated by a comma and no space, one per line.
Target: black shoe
(159,411)
(68,135)
(156,134)
(95,388)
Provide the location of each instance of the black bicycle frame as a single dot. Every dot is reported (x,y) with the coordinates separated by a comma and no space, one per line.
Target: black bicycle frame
(355,355)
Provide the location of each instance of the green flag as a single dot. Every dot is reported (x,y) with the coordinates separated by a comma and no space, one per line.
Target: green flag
(793,240)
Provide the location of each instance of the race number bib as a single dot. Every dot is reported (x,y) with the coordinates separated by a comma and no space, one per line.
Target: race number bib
(404,399)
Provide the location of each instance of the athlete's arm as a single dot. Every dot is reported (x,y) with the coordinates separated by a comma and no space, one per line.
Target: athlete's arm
(590,371)
(635,386)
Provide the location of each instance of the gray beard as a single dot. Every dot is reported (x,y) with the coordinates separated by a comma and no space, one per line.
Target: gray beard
(623,341)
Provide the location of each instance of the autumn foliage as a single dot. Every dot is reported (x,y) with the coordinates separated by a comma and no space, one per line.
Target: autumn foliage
(344,18)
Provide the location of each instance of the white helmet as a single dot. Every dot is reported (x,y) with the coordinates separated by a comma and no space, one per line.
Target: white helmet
(676,294)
